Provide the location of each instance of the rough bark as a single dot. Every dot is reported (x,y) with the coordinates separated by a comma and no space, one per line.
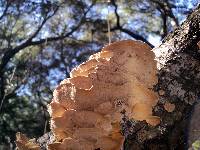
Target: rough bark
(178,84)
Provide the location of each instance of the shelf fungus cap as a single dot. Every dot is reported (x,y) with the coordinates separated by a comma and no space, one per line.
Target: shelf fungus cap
(23,143)
(86,108)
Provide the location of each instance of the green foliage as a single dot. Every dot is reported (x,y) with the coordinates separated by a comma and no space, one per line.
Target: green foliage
(33,69)
(20,115)
(196,145)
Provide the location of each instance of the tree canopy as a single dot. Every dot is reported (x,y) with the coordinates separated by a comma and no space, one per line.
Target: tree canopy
(41,41)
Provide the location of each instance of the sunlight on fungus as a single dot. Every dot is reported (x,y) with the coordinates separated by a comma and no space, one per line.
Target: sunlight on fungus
(86,108)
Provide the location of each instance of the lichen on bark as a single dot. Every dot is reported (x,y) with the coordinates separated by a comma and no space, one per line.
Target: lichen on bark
(178,84)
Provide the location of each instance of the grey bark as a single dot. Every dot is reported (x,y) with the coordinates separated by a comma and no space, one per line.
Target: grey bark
(179,78)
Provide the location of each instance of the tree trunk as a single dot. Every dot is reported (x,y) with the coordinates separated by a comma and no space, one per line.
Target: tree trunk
(178,88)
(179,85)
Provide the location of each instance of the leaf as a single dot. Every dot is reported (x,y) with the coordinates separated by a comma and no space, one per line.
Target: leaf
(196,145)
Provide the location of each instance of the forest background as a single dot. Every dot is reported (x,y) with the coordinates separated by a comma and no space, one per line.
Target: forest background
(42,40)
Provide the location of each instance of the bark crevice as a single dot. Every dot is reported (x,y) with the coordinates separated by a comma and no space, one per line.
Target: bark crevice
(179,81)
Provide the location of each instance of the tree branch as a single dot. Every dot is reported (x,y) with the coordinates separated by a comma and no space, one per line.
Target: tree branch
(42,24)
(10,53)
(116,13)
(127,31)
(5,98)
(5,10)
(166,9)
(164,18)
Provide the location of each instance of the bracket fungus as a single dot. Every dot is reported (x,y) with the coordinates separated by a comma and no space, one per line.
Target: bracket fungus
(86,108)
(23,143)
